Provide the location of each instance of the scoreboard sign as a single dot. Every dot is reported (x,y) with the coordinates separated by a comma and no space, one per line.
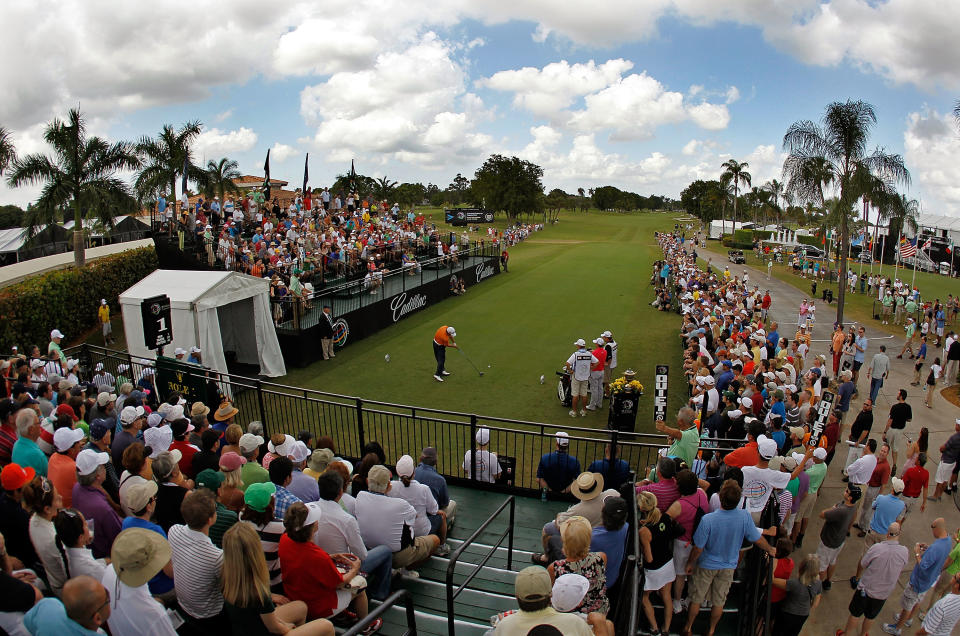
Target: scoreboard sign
(157,324)
(660,393)
(463,216)
(824,406)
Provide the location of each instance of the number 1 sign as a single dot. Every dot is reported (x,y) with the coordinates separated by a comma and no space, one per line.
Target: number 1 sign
(157,324)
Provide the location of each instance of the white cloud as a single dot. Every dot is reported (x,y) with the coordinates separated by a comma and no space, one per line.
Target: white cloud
(710,116)
(219,117)
(549,90)
(691,147)
(931,148)
(320,46)
(213,142)
(733,94)
(282,152)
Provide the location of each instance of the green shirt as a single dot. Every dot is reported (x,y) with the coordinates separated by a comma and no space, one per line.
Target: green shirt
(53,347)
(27,453)
(910,329)
(954,557)
(817,473)
(253,473)
(686,447)
(794,486)
(225,520)
(911,306)
(887,301)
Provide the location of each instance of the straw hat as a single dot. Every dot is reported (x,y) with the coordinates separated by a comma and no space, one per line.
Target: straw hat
(587,486)
(226,411)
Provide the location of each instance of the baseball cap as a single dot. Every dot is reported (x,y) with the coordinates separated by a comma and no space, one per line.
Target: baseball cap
(173,413)
(99,427)
(580,342)
(483,436)
(320,459)
(606,334)
(131,413)
(231,461)
(56,334)
(820,453)
(709,379)
(452,331)
(568,591)
(562,438)
(89,461)
(154,420)
(179,351)
(532,584)
(789,463)
(140,493)
(313,513)
(378,478)
(746,402)
(766,447)
(258,495)
(598,341)
(104,398)
(405,466)
(158,439)
(180,427)
(138,554)
(299,452)
(15,476)
(210,479)
(797,431)
(897,484)
(164,463)
(249,442)
(65,438)
(194,349)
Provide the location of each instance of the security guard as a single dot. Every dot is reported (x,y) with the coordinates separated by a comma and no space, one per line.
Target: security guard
(611,364)
(579,365)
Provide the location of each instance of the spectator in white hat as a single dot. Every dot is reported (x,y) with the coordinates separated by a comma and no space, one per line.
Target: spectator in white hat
(131,420)
(179,353)
(103,378)
(195,357)
(62,467)
(90,499)
(558,469)
(430,519)
(534,593)
(252,472)
(482,465)
(302,486)
(53,349)
(579,365)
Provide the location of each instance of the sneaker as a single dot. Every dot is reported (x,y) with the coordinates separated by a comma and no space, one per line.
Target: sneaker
(404,572)
(591,407)
(891,628)
(444,373)
(373,627)
(443,550)
(799,542)
(677,606)
(583,413)
(572,413)
(827,585)
(438,378)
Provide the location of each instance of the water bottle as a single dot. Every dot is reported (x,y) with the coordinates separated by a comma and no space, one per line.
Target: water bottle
(543,495)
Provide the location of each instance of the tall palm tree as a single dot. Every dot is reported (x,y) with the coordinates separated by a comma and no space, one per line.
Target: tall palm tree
(163,160)
(840,141)
(7,152)
(383,188)
(735,173)
(81,175)
(220,178)
(775,188)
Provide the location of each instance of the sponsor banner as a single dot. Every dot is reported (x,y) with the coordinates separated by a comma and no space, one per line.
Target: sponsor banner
(464,216)
(303,348)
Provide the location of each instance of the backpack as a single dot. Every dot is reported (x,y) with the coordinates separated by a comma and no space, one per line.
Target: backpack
(697,516)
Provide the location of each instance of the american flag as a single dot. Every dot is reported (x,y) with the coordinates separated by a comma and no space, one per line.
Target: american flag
(907,248)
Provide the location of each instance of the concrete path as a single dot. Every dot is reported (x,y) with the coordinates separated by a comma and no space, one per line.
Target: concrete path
(832,612)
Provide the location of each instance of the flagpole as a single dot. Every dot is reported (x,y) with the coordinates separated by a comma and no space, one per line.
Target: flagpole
(897,252)
(916,257)
(883,247)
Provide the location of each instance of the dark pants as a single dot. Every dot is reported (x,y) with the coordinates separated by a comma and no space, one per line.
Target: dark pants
(789,624)
(440,353)
(218,625)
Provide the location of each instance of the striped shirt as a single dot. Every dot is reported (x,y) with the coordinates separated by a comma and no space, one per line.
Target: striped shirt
(943,616)
(196,572)
(269,540)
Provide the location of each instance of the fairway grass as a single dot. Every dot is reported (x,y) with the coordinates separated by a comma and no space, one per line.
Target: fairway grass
(588,273)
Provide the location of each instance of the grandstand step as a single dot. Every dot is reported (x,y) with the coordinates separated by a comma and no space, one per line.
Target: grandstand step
(428,623)
(488,579)
(471,605)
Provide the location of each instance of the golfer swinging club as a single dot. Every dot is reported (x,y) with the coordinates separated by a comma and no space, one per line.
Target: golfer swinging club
(441,340)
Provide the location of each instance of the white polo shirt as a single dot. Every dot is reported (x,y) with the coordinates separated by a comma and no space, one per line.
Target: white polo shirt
(337,531)
(419,496)
(133,611)
(381,519)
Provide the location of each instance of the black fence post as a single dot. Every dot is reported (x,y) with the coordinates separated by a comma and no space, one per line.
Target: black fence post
(614,438)
(360,433)
(263,409)
(473,447)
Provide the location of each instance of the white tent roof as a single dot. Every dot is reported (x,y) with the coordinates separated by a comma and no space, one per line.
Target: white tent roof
(939,222)
(89,224)
(184,288)
(11,239)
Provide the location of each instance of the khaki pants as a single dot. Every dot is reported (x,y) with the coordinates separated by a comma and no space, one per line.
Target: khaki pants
(326,345)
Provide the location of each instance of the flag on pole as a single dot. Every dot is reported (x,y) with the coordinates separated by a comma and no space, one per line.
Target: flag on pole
(950,248)
(186,166)
(908,248)
(266,177)
(353,178)
(306,175)
(927,245)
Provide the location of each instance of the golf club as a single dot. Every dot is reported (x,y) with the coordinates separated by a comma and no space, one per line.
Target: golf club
(470,361)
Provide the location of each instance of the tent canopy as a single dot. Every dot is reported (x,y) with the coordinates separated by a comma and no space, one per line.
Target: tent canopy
(216,311)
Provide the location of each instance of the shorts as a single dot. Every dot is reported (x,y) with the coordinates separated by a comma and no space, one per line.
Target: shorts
(344,597)
(579,387)
(107,328)
(911,503)
(606,374)
(828,556)
(657,579)
(943,472)
(863,605)
(857,364)
(806,506)
(911,597)
(422,548)
(710,585)
(681,554)
(896,439)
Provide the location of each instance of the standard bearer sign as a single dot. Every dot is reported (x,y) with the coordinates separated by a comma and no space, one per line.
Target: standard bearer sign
(157,324)
(660,393)
(824,406)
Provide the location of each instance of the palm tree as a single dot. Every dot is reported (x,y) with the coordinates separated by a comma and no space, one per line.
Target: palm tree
(80,175)
(839,142)
(735,173)
(220,178)
(383,188)
(7,152)
(956,112)
(163,160)
(775,188)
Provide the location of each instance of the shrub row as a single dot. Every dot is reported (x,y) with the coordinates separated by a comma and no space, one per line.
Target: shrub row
(68,299)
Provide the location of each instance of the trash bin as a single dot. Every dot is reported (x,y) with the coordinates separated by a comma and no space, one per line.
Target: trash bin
(623,410)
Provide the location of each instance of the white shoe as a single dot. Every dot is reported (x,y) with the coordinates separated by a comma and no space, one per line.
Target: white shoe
(444,373)
(591,407)
(443,550)
(677,606)
(438,378)
(572,413)
(583,413)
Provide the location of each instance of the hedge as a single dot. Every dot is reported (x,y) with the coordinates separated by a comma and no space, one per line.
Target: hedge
(749,236)
(736,245)
(810,240)
(67,299)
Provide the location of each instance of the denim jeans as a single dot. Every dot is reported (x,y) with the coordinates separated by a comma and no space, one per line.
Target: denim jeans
(875,384)
(378,564)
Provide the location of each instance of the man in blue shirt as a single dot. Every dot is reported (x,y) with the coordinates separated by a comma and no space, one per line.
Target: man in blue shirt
(558,469)
(426,473)
(725,378)
(774,336)
(844,392)
(25,449)
(84,610)
(716,550)
(614,475)
(925,573)
(887,509)
(860,346)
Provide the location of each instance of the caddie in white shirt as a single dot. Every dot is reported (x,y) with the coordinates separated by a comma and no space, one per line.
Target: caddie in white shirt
(578,364)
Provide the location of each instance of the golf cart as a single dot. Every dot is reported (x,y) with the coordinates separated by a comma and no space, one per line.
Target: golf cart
(736,256)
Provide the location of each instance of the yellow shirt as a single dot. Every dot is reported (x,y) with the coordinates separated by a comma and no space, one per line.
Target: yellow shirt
(104,314)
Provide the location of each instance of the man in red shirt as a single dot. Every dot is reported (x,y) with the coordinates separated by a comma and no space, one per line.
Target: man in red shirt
(187,450)
(596,376)
(916,479)
(765,305)
(8,430)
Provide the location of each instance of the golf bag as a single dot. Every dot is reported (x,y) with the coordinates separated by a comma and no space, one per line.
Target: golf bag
(564,393)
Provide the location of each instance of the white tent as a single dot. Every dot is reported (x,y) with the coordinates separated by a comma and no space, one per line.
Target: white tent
(216,311)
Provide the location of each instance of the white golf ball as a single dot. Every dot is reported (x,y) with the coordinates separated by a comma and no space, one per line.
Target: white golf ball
(387,357)
(488,366)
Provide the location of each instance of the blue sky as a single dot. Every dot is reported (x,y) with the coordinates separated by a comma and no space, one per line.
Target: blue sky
(646,95)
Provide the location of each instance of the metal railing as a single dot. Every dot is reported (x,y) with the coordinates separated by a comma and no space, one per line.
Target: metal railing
(753,619)
(393,599)
(451,566)
(626,614)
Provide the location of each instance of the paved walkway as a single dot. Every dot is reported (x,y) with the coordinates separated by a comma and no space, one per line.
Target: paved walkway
(832,612)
